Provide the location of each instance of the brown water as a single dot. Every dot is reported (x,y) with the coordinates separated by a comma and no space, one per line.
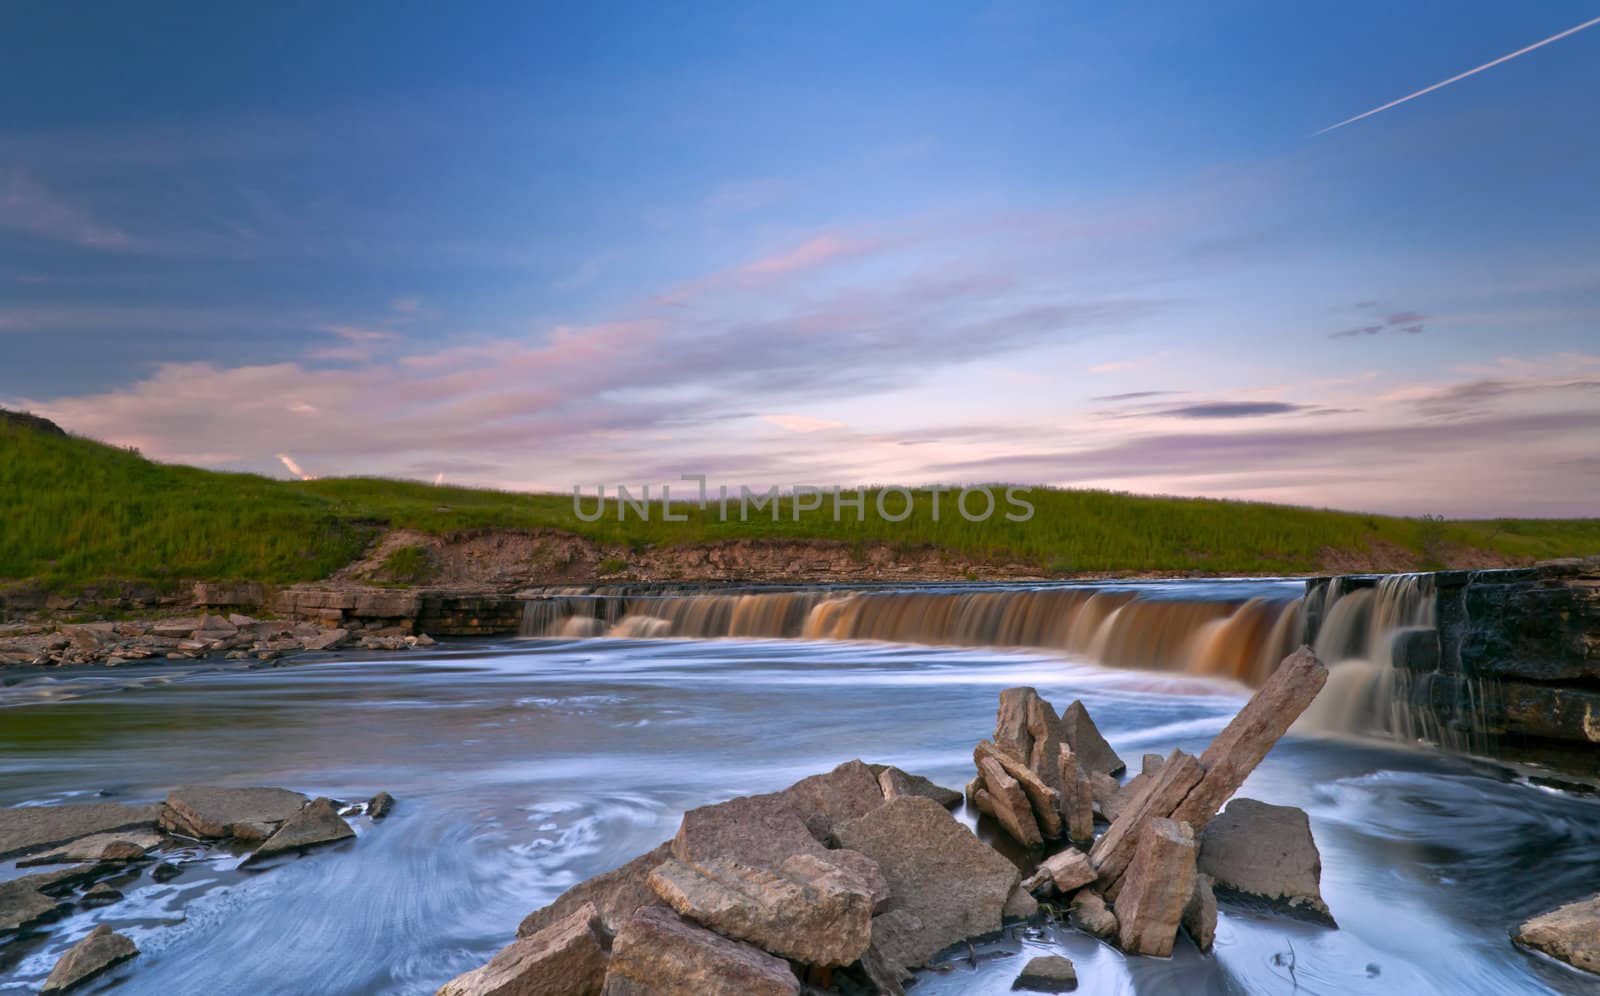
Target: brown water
(524,766)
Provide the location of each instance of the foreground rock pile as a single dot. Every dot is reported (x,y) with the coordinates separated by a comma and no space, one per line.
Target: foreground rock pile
(850,880)
(122,843)
(233,637)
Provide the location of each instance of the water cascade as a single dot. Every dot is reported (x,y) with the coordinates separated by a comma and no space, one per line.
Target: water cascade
(1366,692)
(1241,638)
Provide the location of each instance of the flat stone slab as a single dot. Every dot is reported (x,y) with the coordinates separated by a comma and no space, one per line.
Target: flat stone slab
(211,811)
(1570,933)
(32,828)
(318,823)
(22,905)
(658,952)
(127,846)
(896,783)
(1047,974)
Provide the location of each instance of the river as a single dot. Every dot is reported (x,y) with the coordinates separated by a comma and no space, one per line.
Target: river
(523,766)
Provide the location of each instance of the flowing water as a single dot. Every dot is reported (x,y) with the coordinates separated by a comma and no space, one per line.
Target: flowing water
(523,766)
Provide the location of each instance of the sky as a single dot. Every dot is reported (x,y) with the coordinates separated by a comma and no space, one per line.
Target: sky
(1085,245)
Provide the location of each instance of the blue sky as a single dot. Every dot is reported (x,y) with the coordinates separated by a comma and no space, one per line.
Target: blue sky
(1087,245)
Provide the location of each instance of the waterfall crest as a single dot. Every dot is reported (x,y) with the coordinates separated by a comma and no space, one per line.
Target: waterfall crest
(1243,639)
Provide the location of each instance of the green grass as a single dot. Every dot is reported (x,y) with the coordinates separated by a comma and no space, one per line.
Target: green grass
(74,511)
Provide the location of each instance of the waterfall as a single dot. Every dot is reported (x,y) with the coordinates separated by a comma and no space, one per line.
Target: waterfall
(1366,691)
(1239,639)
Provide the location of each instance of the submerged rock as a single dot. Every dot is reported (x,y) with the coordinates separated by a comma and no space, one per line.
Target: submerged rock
(32,828)
(212,812)
(808,910)
(97,847)
(945,885)
(566,958)
(1156,889)
(88,958)
(1079,731)
(1266,851)
(617,894)
(318,823)
(1570,933)
(379,805)
(658,953)
(1047,974)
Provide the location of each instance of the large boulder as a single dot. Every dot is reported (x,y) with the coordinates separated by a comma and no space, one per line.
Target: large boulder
(210,811)
(945,885)
(318,823)
(566,958)
(807,910)
(1570,933)
(88,958)
(1156,888)
(32,828)
(659,953)
(1028,729)
(763,831)
(1266,851)
(616,894)
(1079,731)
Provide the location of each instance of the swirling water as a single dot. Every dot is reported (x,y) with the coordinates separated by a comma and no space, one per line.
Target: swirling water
(524,766)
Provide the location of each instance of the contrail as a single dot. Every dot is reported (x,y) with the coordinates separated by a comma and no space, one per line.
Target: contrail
(1462,76)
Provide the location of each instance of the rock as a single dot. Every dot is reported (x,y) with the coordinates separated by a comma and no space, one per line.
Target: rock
(165,872)
(32,828)
(101,895)
(945,885)
(567,958)
(89,957)
(1020,905)
(252,832)
(1010,803)
(1266,851)
(895,783)
(1047,974)
(379,805)
(1156,888)
(1028,729)
(1112,852)
(1077,797)
(764,831)
(658,953)
(1200,914)
(809,910)
(209,811)
(1080,733)
(1044,800)
(331,639)
(1102,788)
(1248,737)
(318,823)
(887,976)
(1064,872)
(424,640)
(1091,914)
(23,905)
(97,847)
(846,792)
(1570,933)
(616,894)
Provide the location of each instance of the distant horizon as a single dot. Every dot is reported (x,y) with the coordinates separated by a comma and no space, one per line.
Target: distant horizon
(1334,258)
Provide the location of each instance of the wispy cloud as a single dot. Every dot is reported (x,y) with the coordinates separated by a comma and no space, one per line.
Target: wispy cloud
(26,205)
(801,423)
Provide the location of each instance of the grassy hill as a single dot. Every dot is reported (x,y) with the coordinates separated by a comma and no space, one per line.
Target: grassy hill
(74,511)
